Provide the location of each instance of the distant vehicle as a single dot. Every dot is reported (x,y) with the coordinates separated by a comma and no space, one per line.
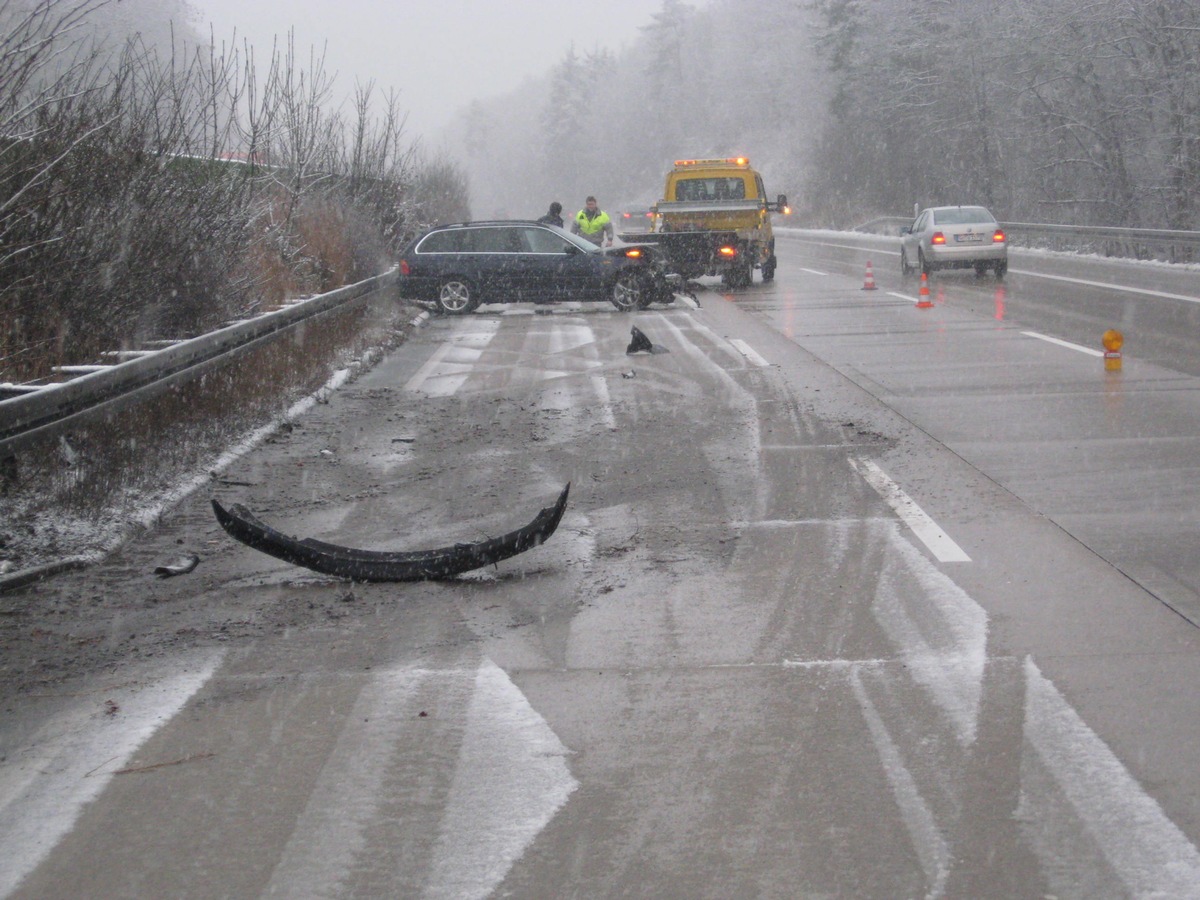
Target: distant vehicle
(954,237)
(635,219)
(458,267)
(715,219)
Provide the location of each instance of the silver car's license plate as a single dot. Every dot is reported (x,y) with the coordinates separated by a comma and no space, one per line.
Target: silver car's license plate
(968,238)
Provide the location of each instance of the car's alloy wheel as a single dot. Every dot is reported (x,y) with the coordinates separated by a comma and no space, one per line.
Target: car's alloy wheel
(456,297)
(923,264)
(627,291)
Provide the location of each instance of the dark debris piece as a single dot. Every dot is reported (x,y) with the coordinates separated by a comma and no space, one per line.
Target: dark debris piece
(180,567)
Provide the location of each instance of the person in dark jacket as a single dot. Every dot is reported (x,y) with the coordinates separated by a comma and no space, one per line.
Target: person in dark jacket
(554,217)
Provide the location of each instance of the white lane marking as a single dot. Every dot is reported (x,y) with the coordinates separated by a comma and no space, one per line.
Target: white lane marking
(450,366)
(511,779)
(331,831)
(813,271)
(919,821)
(1108,285)
(749,352)
(70,760)
(942,636)
(1145,849)
(607,416)
(939,543)
(1062,343)
(902,296)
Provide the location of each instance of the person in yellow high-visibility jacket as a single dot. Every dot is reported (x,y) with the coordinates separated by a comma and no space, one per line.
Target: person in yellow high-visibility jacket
(593,223)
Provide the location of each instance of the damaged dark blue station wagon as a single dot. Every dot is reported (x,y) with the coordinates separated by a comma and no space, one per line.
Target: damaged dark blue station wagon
(458,267)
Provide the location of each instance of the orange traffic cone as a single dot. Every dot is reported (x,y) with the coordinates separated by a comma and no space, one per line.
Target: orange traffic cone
(869,284)
(923,301)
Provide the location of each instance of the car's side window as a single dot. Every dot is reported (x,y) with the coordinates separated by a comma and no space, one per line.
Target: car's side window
(919,225)
(443,242)
(541,240)
(497,240)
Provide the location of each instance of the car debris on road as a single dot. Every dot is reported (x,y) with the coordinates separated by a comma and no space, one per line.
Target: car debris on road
(375,565)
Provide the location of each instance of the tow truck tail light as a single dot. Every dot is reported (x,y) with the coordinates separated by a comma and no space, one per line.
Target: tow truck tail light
(728,252)
(405,268)
(998,237)
(938,238)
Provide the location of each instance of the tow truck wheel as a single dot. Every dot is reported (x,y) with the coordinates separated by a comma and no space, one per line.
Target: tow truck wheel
(768,269)
(456,296)
(627,291)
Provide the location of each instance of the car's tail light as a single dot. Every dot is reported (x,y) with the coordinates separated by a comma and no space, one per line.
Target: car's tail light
(405,268)
(634,253)
(998,237)
(728,252)
(938,238)
(626,216)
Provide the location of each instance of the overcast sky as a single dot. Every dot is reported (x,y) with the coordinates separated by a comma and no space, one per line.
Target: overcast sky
(440,54)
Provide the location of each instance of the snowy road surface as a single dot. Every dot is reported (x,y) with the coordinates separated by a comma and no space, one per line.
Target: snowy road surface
(839,608)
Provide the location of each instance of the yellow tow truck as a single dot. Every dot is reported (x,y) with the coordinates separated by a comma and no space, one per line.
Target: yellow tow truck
(715,219)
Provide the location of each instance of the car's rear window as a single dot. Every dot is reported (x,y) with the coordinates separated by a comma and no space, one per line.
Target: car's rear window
(705,189)
(964,215)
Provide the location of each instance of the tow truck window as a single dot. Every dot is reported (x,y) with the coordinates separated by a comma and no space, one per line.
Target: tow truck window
(706,189)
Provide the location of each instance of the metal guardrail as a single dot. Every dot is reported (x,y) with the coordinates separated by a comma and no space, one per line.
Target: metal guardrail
(1131,243)
(38,413)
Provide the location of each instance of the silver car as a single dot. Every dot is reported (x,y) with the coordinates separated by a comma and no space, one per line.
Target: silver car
(954,237)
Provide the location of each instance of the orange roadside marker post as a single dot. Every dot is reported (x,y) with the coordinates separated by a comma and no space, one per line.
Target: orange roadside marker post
(869,284)
(923,301)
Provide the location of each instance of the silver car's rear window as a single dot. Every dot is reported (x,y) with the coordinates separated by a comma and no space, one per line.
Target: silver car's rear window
(963,215)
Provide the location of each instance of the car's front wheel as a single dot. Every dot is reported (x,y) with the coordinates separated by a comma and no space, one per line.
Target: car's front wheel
(628,291)
(456,296)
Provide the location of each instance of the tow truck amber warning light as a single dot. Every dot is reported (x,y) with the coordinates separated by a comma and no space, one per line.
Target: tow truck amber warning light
(728,161)
(633,252)
(1113,340)
(728,251)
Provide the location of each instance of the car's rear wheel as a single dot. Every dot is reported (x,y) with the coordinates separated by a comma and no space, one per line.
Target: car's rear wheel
(923,264)
(456,296)
(628,291)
